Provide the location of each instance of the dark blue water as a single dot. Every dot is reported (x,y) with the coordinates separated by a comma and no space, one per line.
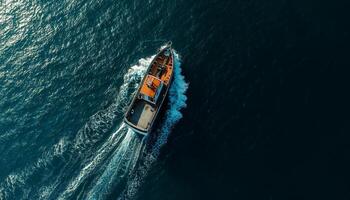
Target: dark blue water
(258,109)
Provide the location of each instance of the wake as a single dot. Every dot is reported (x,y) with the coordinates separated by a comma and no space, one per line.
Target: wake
(120,144)
(177,101)
(96,166)
(122,174)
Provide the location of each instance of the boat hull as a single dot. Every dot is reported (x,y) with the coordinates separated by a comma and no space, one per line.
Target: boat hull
(149,99)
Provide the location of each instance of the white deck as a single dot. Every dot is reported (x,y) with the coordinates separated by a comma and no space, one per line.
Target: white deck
(146,117)
(142,114)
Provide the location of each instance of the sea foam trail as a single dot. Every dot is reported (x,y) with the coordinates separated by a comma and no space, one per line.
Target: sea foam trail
(91,165)
(119,167)
(177,101)
(118,140)
(114,161)
(123,164)
(80,147)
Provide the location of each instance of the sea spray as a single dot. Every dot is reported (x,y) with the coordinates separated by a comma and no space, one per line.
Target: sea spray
(177,101)
(103,119)
(123,164)
(114,161)
(77,152)
(131,81)
(101,155)
(124,158)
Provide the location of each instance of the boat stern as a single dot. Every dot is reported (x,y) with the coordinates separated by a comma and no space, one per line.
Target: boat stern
(143,132)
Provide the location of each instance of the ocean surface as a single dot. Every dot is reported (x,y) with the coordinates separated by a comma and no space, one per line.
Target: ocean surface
(259,107)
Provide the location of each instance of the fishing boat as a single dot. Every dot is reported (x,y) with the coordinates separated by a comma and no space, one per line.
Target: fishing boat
(149,98)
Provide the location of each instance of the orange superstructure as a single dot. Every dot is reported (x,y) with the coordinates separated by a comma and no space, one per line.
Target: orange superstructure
(150,86)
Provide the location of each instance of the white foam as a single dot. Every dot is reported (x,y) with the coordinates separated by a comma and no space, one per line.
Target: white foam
(127,155)
(91,165)
(87,136)
(117,167)
(125,145)
(131,81)
(177,101)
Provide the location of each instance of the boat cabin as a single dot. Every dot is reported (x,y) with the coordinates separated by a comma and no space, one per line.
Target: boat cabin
(151,89)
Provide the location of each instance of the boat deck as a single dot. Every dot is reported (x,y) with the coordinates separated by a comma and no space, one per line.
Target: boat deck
(142,114)
(151,93)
